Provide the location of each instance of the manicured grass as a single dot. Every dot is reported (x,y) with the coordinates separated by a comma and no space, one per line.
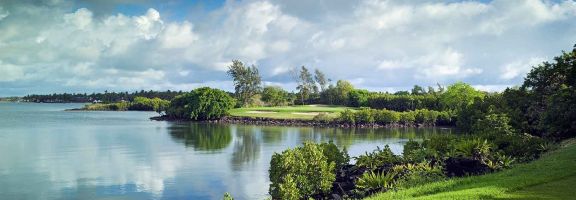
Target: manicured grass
(551,177)
(306,112)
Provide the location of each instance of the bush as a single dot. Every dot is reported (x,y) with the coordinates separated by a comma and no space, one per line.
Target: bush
(498,124)
(201,104)
(441,144)
(365,116)
(376,181)
(323,118)
(333,154)
(407,117)
(477,149)
(275,96)
(386,117)
(347,116)
(377,158)
(303,171)
(412,175)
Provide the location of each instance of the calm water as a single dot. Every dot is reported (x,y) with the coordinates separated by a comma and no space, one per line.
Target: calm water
(46,153)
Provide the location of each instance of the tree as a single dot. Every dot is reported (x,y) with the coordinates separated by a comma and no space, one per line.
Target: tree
(306,85)
(417,90)
(247,81)
(274,95)
(342,90)
(201,104)
(459,95)
(320,79)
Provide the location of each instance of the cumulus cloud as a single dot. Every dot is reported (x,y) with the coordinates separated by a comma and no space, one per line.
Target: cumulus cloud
(386,44)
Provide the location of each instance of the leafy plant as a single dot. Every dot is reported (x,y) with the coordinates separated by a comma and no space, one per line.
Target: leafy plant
(377,158)
(303,171)
(417,174)
(477,149)
(376,181)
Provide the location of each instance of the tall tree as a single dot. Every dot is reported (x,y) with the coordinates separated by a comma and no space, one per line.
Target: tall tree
(306,84)
(247,81)
(320,79)
(418,90)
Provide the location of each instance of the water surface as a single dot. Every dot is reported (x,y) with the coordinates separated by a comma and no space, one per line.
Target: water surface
(47,153)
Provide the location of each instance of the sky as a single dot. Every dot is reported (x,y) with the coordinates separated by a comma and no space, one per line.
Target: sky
(49,46)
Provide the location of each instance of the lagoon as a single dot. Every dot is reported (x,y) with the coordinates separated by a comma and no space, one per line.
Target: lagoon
(49,153)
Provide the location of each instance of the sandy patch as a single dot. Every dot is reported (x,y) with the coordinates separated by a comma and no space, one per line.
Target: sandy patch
(260,112)
(306,113)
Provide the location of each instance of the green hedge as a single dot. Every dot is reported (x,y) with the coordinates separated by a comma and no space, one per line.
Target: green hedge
(383,117)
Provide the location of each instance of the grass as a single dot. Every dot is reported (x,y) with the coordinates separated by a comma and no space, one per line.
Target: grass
(551,177)
(305,112)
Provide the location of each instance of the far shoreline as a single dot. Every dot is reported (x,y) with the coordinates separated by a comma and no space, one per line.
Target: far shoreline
(296,122)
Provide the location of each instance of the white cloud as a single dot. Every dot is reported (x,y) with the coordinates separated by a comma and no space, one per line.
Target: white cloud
(383,43)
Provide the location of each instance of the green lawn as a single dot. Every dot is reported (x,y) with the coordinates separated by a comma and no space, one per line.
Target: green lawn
(551,177)
(306,112)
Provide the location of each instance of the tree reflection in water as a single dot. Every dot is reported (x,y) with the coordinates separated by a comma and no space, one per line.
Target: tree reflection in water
(202,136)
(247,145)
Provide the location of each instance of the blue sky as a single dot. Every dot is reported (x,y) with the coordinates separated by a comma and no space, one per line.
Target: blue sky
(90,46)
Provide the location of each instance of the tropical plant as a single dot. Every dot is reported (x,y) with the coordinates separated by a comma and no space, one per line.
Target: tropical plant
(376,181)
(377,158)
(303,171)
(201,104)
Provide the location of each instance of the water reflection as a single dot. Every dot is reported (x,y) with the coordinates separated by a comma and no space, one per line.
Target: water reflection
(50,154)
(202,136)
(247,146)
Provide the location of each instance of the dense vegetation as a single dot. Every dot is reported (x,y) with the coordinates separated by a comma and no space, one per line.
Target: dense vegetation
(139,104)
(201,104)
(106,97)
(506,128)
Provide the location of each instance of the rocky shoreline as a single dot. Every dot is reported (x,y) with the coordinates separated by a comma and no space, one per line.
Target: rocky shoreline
(296,122)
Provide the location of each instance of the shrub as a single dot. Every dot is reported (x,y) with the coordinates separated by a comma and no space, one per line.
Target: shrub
(498,124)
(386,117)
(409,147)
(365,116)
(323,118)
(407,117)
(274,95)
(376,181)
(333,154)
(477,149)
(303,171)
(201,104)
(417,174)
(441,144)
(377,158)
(347,116)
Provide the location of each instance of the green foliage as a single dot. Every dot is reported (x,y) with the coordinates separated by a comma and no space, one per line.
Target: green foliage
(364,116)
(441,144)
(347,116)
(227,196)
(407,117)
(377,158)
(478,149)
(459,95)
(333,154)
(275,96)
(337,95)
(412,175)
(376,181)
(407,102)
(493,124)
(358,98)
(303,171)
(323,118)
(201,104)
(247,81)
(386,116)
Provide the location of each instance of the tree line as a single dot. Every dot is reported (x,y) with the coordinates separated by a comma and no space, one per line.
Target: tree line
(106,97)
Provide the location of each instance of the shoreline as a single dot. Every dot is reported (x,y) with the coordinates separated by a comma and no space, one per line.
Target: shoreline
(295,122)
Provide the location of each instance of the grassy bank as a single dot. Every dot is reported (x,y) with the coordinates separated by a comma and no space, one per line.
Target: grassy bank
(551,177)
(305,112)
